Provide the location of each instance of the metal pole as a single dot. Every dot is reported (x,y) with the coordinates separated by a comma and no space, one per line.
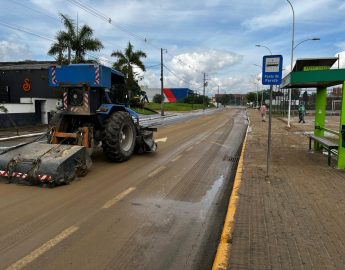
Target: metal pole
(203,97)
(262,97)
(292,48)
(257,95)
(162,85)
(218,97)
(269,140)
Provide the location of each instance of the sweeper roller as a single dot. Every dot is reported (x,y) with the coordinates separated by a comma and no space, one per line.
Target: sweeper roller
(42,163)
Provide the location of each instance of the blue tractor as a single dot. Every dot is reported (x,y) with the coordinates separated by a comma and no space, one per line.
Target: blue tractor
(94,112)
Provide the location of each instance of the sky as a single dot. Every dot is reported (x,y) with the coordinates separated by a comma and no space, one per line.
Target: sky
(216,37)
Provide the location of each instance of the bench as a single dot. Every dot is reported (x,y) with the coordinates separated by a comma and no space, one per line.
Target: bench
(327,144)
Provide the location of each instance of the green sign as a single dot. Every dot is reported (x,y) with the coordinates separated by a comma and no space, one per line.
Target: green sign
(314,68)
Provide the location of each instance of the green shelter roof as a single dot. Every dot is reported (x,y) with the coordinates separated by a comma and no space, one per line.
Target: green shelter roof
(313,73)
(301,64)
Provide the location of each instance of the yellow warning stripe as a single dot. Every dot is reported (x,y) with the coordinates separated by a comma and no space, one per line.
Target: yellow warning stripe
(223,251)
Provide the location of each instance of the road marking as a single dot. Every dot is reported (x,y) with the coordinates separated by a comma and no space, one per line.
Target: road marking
(222,145)
(161,139)
(156,171)
(223,251)
(42,249)
(189,149)
(176,158)
(119,197)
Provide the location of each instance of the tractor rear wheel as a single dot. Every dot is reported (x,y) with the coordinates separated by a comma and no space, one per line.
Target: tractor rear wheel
(120,135)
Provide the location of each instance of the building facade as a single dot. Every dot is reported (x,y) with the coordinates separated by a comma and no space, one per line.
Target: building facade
(25,93)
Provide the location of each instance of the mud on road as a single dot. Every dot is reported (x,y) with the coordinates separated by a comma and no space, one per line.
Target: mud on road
(158,211)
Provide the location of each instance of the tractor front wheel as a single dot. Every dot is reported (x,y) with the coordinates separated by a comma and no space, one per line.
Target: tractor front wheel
(120,135)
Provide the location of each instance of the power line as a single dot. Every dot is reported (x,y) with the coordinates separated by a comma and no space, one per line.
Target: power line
(178,77)
(124,28)
(21,29)
(38,11)
(102,17)
(107,19)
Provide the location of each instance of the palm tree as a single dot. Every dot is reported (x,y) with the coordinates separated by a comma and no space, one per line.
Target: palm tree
(125,62)
(74,39)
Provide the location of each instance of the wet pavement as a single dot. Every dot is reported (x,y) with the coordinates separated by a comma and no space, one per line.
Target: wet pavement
(156,211)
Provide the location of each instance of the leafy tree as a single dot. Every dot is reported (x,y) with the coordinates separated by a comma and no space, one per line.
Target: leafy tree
(251,97)
(305,97)
(125,62)
(295,93)
(157,98)
(78,40)
(197,99)
(225,99)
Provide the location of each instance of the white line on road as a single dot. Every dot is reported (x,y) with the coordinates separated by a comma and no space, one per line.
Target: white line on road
(176,158)
(156,171)
(42,249)
(119,197)
(189,149)
(162,139)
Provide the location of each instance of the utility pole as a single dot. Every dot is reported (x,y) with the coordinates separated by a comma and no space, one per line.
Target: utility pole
(203,97)
(218,97)
(162,84)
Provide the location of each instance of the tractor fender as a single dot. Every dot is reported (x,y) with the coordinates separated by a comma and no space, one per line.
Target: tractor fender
(105,110)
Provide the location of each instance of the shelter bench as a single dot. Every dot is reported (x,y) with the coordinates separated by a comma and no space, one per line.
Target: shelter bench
(327,144)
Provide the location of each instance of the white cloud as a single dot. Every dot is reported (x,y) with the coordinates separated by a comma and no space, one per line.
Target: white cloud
(14,52)
(186,70)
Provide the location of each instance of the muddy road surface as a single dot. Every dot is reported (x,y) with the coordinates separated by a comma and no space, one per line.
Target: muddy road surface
(156,211)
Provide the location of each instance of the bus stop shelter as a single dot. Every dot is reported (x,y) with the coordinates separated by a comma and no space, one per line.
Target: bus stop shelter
(317,73)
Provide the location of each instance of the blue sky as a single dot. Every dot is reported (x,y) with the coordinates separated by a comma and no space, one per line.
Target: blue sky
(215,36)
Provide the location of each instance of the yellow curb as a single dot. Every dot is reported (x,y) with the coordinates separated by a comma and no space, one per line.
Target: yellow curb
(223,251)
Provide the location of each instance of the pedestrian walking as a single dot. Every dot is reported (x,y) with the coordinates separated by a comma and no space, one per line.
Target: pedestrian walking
(263,112)
(301,113)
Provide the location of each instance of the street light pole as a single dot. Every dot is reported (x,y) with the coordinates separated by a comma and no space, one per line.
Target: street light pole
(258,45)
(292,48)
(315,38)
(162,83)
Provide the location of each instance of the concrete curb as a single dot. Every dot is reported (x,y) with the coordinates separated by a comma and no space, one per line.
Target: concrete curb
(223,251)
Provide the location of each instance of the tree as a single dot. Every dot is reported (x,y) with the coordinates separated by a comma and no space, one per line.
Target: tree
(157,98)
(251,97)
(305,97)
(225,99)
(78,40)
(125,62)
(295,93)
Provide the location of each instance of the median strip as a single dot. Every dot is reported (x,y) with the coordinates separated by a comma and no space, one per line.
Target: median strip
(42,249)
(119,197)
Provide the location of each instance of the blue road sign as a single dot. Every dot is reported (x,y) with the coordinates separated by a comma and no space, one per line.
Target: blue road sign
(272,67)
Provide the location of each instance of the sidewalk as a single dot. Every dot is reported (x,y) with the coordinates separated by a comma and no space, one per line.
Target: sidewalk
(296,218)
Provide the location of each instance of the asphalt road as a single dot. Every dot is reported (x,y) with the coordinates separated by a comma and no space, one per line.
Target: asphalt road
(156,211)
